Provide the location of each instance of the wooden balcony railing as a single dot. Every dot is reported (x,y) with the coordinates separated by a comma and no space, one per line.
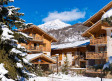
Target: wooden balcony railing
(38,38)
(99,40)
(93,55)
(35,49)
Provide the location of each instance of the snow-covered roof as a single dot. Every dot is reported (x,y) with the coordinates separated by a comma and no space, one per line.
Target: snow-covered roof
(107,14)
(34,56)
(69,45)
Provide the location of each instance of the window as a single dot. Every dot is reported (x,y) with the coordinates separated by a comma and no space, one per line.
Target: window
(102,49)
(65,55)
(102,35)
(33,35)
(111,34)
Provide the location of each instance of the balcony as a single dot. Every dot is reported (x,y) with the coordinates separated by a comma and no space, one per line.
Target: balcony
(93,55)
(99,40)
(35,49)
(37,39)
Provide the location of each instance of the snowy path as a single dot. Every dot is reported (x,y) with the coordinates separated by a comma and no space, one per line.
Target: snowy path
(62,77)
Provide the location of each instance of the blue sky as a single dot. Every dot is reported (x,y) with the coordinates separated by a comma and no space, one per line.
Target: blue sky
(69,11)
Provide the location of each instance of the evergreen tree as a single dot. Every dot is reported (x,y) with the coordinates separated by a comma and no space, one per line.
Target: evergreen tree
(12,54)
(65,67)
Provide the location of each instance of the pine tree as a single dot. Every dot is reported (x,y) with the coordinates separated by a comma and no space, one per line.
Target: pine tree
(65,67)
(12,54)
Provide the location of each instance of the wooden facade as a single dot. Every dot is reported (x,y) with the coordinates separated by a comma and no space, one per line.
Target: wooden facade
(75,56)
(40,43)
(98,37)
(93,55)
(98,40)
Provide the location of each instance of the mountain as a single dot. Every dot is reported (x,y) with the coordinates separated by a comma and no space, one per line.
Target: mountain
(53,25)
(69,34)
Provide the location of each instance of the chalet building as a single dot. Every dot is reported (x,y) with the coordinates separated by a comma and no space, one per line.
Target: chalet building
(39,46)
(73,53)
(100,38)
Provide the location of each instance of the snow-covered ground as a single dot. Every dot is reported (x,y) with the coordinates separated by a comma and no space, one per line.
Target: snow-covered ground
(62,77)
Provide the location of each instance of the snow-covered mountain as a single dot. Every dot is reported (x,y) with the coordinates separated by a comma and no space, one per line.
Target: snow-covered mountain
(69,34)
(64,33)
(53,25)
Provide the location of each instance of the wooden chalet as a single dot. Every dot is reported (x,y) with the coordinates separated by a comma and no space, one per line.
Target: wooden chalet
(39,46)
(75,55)
(41,41)
(100,36)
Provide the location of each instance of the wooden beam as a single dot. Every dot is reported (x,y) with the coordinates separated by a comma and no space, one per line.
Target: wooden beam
(91,22)
(91,35)
(103,11)
(51,41)
(42,63)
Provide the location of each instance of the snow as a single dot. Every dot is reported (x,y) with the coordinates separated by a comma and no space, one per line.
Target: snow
(39,79)
(19,46)
(25,60)
(11,0)
(19,65)
(77,68)
(10,12)
(108,63)
(6,79)
(14,50)
(53,25)
(107,14)
(3,71)
(32,56)
(110,59)
(11,9)
(68,45)
(69,77)
(25,35)
(5,34)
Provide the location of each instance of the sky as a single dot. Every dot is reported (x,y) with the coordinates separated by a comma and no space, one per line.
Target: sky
(68,11)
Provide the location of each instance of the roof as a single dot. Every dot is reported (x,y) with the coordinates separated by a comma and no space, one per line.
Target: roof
(96,17)
(71,45)
(46,35)
(92,29)
(31,57)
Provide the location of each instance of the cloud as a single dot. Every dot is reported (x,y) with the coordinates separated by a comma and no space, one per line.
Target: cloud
(72,15)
